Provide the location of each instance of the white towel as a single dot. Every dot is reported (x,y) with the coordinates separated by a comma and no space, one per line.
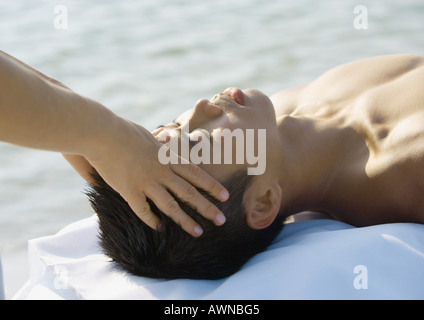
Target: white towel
(319,259)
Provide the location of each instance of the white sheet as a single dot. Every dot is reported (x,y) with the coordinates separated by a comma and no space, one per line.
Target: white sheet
(318,259)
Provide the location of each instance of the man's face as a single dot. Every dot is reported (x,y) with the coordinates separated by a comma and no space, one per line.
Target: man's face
(235,110)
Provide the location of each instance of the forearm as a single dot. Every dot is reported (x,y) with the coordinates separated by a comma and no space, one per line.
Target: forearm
(39,112)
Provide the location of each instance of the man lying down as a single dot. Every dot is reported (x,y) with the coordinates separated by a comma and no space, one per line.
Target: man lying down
(349,144)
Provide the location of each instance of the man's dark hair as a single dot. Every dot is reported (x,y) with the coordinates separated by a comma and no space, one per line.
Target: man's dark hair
(172,253)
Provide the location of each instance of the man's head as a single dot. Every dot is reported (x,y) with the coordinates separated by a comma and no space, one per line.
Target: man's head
(236,111)
(253,216)
(172,253)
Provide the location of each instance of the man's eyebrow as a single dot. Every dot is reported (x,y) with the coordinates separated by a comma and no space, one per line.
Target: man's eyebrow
(173,121)
(178,130)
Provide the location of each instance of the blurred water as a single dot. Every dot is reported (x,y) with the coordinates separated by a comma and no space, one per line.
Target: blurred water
(150,60)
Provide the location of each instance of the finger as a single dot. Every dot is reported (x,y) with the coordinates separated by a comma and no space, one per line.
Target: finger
(142,209)
(201,179)
(169,206)
(189,194)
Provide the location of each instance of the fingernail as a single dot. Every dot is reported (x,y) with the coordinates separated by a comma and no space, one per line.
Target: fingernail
(224,195)
(220,219)
(198,231)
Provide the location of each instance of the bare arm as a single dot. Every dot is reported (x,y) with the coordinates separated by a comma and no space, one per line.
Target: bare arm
(40,113)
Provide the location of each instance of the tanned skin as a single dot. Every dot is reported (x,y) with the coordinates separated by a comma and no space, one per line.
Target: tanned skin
(354,139)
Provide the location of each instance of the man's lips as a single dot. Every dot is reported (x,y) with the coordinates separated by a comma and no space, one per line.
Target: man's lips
(236,94)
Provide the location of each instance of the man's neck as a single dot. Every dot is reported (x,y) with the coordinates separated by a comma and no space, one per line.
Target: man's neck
(313,159)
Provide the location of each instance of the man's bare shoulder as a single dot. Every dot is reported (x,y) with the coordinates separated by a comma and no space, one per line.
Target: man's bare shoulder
(357,77)
(381,67)
(347,81)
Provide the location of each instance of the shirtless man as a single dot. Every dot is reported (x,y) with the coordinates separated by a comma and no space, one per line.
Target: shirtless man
(350,143)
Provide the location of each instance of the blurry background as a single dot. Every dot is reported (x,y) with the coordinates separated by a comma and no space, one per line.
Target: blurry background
(150,60)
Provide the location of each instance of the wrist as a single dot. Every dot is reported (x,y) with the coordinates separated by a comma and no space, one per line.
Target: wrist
(100,122)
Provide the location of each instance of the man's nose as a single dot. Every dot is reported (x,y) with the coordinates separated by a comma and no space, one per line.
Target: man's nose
(204,111)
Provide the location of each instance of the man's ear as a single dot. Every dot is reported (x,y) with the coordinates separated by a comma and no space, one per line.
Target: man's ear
(262,201)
